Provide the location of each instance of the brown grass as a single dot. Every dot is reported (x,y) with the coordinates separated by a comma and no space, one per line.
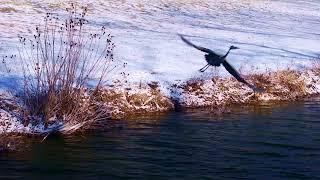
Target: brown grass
(261,81)
(217,94)
(291,81)
(286,84)
(7,10)
(193,86)
(128,102)
(221,92)
(58,63)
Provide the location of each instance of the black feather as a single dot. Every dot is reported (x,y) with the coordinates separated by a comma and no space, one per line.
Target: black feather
(235,74)
(195,46)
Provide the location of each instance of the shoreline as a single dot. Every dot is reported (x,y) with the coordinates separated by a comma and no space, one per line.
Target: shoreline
(137,100)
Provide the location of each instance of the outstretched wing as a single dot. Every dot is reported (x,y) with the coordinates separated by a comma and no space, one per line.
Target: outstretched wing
(195,46)
(235,74)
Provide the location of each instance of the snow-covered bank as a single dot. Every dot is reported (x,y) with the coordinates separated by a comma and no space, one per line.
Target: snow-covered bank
(13,119)
(133,99)
(216,93)
(160,72)
(219,92)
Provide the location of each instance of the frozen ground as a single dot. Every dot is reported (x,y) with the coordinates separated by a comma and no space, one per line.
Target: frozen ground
(271,34)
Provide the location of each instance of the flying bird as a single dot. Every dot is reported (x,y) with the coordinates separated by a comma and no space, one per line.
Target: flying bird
(214,59)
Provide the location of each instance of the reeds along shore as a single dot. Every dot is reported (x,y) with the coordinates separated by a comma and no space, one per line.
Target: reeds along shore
(216,93)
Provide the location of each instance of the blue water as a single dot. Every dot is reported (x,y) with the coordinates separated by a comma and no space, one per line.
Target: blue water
(266,141)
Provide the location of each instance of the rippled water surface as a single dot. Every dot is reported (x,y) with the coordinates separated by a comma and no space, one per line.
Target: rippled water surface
(258,142)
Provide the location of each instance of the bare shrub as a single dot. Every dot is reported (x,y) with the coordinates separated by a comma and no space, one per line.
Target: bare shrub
(58,63)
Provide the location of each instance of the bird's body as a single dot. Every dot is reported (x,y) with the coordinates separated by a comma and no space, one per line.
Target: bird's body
(214,59)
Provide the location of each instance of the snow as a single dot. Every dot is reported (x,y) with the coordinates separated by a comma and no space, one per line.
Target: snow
(10,123)
(271,35)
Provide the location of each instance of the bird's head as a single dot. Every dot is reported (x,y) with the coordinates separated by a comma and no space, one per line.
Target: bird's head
(233,47)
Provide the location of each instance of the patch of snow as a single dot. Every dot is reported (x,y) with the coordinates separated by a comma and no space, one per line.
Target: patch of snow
(9,123)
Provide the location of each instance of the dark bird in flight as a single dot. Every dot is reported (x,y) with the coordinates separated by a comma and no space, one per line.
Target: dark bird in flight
(214,59)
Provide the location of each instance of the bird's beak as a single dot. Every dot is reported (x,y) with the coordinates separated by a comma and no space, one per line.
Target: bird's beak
(234,47)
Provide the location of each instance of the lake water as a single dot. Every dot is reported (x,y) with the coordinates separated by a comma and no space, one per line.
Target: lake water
(266,141)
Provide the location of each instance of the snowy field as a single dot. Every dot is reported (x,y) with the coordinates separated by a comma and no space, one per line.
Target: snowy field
(270,34)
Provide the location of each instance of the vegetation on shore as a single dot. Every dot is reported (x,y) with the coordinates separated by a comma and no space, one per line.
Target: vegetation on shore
(58,62)
(65,66)
(216,94)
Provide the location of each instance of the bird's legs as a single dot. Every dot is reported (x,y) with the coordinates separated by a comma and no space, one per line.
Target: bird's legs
(204,68)
(215,74)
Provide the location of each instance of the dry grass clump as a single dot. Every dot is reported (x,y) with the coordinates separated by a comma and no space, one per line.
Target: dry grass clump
(233,92)
(135,100)
(222,92)
(285,85)
(58,63)
(217,92)
(193,86)
(291,81)
(261,81)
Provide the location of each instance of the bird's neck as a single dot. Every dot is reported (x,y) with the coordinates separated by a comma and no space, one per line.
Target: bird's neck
(226,54)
